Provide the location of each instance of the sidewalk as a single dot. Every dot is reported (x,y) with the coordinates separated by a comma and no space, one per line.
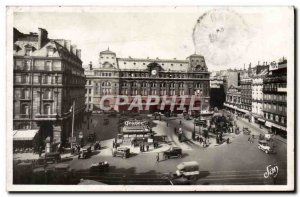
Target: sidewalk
(262,130)
(34,156)
(107,148)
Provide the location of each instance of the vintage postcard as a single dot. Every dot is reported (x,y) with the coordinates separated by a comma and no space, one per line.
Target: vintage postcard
(150,99)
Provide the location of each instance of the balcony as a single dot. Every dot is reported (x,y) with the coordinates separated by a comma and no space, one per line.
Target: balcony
(282,89)
(26,98)
(47,98)
(24,116)
(45,116)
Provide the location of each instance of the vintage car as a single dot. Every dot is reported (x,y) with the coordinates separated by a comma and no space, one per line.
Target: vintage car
(121,152)
(246,131)
(92,137)
(52,157)
(97,145)
(188,169)
(173,152)
(102,166)
(84,153)
(264,146)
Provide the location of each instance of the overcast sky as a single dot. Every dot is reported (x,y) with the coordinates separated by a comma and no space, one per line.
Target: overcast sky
(164,32)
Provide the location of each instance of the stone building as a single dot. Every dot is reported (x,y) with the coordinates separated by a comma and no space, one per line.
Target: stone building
(48,77)
(137,76)
(275,97)
(233,99)
(246,94)
(257,95)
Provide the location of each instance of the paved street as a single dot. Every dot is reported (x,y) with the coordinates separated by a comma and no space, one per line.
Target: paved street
(236,163)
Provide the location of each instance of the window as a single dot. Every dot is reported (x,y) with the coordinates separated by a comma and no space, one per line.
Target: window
(47,94)
(90,91)
(48,65)
(47,109)
(27,64)
(24,109)
(56,79)
(25,94)
(50,52)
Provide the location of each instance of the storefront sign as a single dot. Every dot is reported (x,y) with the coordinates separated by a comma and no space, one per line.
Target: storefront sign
(134,123)
(72,139)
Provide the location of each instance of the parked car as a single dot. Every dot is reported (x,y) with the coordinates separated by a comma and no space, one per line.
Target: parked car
(97,145)
(246,131)
(264,146)
(188,169)
(268,136)
(92,137)
(121,152)
(83,154)
(102,166)
(52,157)
(173,152)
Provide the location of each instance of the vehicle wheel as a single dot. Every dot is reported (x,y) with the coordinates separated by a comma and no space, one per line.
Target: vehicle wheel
(78,157)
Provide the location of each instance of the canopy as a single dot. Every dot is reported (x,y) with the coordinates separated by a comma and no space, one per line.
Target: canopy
(24,135)
(187,164)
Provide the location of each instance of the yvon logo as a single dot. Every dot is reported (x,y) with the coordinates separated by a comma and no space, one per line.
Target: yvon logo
(272,171)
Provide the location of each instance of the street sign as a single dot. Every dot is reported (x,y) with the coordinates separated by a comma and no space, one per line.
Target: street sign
(72,139)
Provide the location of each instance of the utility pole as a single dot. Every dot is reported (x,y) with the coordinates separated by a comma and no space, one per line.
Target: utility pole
(73,114)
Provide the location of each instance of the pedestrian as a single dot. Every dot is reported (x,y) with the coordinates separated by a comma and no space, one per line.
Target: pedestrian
(175,130)
(141,148)
(249,139)
(157,158)
(167,123)
(147,147)
(227,140)
(40,151)
(180,122)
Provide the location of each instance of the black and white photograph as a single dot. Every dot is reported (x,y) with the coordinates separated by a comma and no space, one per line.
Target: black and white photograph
(150,98)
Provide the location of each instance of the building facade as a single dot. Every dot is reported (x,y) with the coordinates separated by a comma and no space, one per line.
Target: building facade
(246,94)
(48,78)
(233,99)
(275,97)
(257,94)
(136,76)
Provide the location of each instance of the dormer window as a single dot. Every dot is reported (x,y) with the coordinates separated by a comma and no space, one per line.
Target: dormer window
(28,49)
(50,51)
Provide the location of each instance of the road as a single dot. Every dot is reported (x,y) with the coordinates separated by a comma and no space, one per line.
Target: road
(239,162)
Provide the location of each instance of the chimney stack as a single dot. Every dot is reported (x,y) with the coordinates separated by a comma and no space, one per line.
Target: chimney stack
(78,53)
(73,49)
(91,66)
(68,45)
(42,37)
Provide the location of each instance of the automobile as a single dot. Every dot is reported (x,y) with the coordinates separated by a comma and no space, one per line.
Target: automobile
(52,157)
(264,146)
(268,136)
(102,166)
(246,131)
(92,137)
(174,151)
(188,169)
(97,145)
(121,152)
(83,154)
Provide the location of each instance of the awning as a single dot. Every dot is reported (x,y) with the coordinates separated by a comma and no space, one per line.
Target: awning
(262,120)
(24,135)
(279,127)
(268,124)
